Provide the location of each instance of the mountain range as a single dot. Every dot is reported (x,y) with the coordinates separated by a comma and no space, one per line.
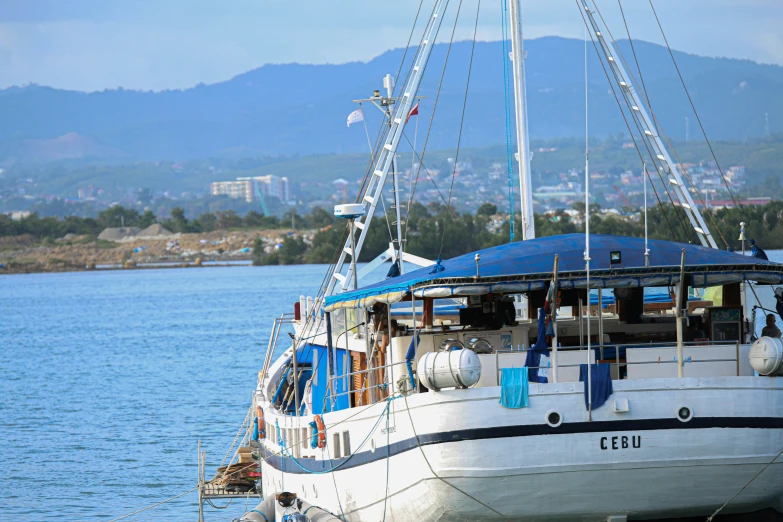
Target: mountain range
(300,109)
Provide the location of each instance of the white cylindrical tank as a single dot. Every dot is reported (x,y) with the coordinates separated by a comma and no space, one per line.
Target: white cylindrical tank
(766,356)
(449,369)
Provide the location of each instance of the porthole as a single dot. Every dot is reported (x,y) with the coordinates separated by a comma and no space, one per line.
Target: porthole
(372,445)
(554,419)
(684,414)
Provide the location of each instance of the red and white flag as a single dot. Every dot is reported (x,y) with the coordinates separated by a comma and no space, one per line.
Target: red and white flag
(413,112)
(356,116)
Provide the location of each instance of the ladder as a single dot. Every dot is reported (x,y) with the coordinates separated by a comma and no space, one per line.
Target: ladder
(649,133)
(373,190)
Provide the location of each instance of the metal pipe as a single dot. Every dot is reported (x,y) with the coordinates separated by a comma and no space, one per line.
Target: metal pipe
(296,381)
(388,377)
(353,256)
(601,321)
(554,320)
(331,359)
(646,249)
(370,354)
(345,355)
(678,316)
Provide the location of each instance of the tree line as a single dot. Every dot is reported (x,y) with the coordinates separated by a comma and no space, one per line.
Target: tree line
(119,216)
(438,231)
(430,231)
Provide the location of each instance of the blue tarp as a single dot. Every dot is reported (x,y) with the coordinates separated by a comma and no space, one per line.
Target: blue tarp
(513,387)
(341,402)
(530,264)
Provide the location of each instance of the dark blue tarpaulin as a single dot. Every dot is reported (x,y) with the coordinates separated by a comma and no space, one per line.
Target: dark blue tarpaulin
(616,261)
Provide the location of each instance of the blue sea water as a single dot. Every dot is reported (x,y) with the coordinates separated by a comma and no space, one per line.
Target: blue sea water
(109,379)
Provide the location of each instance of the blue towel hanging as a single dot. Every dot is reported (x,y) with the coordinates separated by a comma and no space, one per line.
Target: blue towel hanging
(513,387)
(601,379)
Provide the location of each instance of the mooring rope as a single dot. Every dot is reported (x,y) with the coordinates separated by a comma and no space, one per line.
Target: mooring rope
(745,486)
(418,443)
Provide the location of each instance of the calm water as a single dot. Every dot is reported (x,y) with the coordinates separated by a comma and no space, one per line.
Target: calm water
(108,380)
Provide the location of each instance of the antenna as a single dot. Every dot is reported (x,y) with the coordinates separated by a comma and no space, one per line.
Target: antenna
(644,180)
(587,244)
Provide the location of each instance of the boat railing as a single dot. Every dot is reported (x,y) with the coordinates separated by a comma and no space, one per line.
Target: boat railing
(621,363)
(287,318)
(348,377)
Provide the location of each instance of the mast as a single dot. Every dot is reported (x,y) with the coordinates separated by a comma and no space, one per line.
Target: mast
(373,191)
(520,104)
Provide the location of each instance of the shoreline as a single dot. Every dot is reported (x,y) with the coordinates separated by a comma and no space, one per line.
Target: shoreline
(62,268)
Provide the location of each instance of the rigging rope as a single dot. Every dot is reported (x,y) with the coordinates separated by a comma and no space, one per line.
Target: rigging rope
(627,125)
(745,486)
(658,127)
(693,106)
(434,109)
(656,123)
(418,444)
(461,123)
(653,156)
(507,109)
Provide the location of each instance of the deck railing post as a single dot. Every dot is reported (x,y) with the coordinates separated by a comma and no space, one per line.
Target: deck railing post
(554,321)
(679,314)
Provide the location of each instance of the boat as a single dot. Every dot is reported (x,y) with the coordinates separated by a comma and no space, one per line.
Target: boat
(490,387)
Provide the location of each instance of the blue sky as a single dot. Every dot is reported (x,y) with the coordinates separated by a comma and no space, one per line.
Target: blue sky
(167,44)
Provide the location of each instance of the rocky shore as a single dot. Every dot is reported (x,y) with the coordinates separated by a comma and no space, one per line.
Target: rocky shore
(25,254)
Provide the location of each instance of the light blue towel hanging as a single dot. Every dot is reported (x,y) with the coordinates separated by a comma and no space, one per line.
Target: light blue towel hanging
(513,387)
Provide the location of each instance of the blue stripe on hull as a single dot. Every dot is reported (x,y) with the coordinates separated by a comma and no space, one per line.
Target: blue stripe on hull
(523,430)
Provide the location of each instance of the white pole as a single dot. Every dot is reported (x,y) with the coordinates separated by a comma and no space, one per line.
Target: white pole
(520,103)
(353,257)
(397,214)
(678,317)
(587,247)
(646,249)
(366,132)
(554,321)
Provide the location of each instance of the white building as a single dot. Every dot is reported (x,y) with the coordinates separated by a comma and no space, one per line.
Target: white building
(240,189)
(250,188)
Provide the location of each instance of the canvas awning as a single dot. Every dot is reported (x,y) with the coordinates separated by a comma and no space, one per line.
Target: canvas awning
(616,261)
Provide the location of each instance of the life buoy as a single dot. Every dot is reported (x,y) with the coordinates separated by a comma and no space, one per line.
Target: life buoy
(261,423)
(319,422)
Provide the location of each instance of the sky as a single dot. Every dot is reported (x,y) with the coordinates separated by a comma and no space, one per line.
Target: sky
(172,44)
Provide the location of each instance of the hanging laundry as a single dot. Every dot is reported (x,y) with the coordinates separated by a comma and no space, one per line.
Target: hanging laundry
(601,379)
(513,388)
(538,352)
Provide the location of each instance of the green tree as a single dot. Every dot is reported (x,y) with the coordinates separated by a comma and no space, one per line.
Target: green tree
(119,216)
(147,219)
(178,221)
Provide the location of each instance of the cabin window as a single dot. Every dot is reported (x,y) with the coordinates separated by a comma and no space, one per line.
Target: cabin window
(336,446)
(304,438)
(347,443)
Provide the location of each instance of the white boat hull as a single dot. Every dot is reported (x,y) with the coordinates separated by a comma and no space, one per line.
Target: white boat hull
(486,462)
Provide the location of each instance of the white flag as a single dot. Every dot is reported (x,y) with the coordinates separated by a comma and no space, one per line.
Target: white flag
(355,117)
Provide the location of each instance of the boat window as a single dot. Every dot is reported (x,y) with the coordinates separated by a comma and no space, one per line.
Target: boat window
(347,443)
(336,446)
(304,438)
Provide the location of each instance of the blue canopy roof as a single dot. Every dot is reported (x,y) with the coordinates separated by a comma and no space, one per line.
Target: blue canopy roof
(527,265)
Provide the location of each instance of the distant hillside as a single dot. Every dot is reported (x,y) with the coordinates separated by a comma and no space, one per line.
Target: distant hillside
(301,109)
